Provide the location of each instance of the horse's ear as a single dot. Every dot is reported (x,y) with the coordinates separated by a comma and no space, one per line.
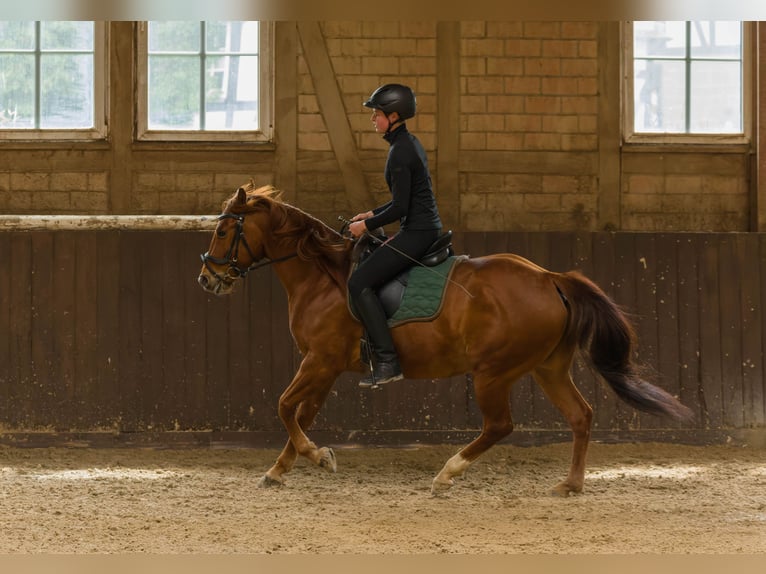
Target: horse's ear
(241,197)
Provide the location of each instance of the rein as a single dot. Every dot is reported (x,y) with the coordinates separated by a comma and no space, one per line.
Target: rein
(230,258)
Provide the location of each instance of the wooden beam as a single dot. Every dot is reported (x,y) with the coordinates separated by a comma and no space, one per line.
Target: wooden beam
(286,107)
(759,180)
(609,192)
(335,115)
(101,222)
(448,122)
(121,59)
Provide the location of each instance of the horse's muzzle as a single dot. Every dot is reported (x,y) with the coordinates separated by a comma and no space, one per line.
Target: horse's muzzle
(203,281)
(209,284)
(214,285)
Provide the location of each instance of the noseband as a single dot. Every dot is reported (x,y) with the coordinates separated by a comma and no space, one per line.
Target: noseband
(230,258)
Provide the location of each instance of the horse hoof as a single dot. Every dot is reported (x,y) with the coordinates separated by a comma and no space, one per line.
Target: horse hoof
(268,482)
(563,490)
(327,459)
(441,486)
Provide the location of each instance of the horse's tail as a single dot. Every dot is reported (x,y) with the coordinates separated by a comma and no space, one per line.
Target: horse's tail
(606,337)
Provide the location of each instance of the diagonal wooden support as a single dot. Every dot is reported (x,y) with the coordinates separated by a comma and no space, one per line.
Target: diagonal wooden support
(335,115)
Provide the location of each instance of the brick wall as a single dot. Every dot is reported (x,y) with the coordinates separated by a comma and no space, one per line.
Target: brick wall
(364,55)
(530,142)
(54,192)
(684,191)
(528,87)
(524,86)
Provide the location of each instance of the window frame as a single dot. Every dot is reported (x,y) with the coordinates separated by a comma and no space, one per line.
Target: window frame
(630,136)
(266,97)
(100,129)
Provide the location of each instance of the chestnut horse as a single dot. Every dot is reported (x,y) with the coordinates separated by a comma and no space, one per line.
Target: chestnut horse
(502,317)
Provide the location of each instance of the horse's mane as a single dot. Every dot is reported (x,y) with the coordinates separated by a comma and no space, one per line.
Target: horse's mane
(314,240)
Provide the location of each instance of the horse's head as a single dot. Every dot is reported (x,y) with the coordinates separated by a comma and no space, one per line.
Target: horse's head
(238,242)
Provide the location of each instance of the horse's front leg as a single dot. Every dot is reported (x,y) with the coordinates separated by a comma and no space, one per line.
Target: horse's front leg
(286,459)
(298,406)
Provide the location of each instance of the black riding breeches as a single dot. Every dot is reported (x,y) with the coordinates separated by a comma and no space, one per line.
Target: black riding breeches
(386,262)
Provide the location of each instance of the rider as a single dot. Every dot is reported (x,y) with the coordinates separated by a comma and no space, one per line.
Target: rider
(412,204)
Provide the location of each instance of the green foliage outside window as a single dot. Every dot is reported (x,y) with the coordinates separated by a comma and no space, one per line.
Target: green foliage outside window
(46,75)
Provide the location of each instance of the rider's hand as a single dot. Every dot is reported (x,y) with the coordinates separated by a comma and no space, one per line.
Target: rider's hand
(357,228)
(362,216)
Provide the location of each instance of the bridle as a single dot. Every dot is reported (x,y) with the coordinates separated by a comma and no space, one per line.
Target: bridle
(234,271)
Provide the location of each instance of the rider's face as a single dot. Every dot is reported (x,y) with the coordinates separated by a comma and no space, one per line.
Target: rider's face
(380,121)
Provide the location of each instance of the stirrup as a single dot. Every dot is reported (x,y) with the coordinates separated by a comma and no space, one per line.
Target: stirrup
(386,373)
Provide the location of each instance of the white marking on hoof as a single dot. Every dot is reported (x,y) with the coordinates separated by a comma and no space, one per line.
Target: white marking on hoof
(268,482)
(327,459)
(440,486)
(455,466)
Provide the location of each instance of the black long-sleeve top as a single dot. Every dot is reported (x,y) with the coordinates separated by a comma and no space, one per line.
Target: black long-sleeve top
(412,197)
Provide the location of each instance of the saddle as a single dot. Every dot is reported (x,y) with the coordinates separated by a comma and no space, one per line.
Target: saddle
(439,259)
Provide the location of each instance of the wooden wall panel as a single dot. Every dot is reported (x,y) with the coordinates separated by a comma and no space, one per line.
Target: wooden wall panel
(6,374)
(86,331)
(751,329)
(688,309)
(759,391)
(108,330)
(21,370)
(127,393)
(710,384)
(729,268)
(666,301)
(41,389)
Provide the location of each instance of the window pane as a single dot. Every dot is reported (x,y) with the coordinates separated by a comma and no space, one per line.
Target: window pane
(48,78)
(716,105)
(225,67)
(218,36)
(17,35)
(174,93)
(232,37)
(232,93)
(718,40)
(247,81)
(250,38)
(17,91)
(659,88)
(174,37)
(659,39)
(68,36)
(66,91)
(688,89)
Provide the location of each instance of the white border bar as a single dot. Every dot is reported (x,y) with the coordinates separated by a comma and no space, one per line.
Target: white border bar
(102,222)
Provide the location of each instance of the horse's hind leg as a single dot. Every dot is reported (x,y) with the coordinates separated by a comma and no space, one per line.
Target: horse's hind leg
(557,384)
(284,463)
(492,396)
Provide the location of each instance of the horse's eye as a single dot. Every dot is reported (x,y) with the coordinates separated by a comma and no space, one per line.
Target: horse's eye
(221,233)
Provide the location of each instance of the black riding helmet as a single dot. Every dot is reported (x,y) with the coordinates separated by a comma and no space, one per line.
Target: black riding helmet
(393,98)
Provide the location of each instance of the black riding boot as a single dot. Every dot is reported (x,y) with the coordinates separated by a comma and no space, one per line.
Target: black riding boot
(385,361)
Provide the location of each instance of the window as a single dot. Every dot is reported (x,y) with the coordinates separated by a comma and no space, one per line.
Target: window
(52,80)
(204,81)
(686,79)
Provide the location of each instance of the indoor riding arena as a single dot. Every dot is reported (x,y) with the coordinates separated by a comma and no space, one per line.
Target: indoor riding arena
(141,414)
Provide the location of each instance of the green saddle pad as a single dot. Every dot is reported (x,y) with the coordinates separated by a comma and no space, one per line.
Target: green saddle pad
(424,294)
